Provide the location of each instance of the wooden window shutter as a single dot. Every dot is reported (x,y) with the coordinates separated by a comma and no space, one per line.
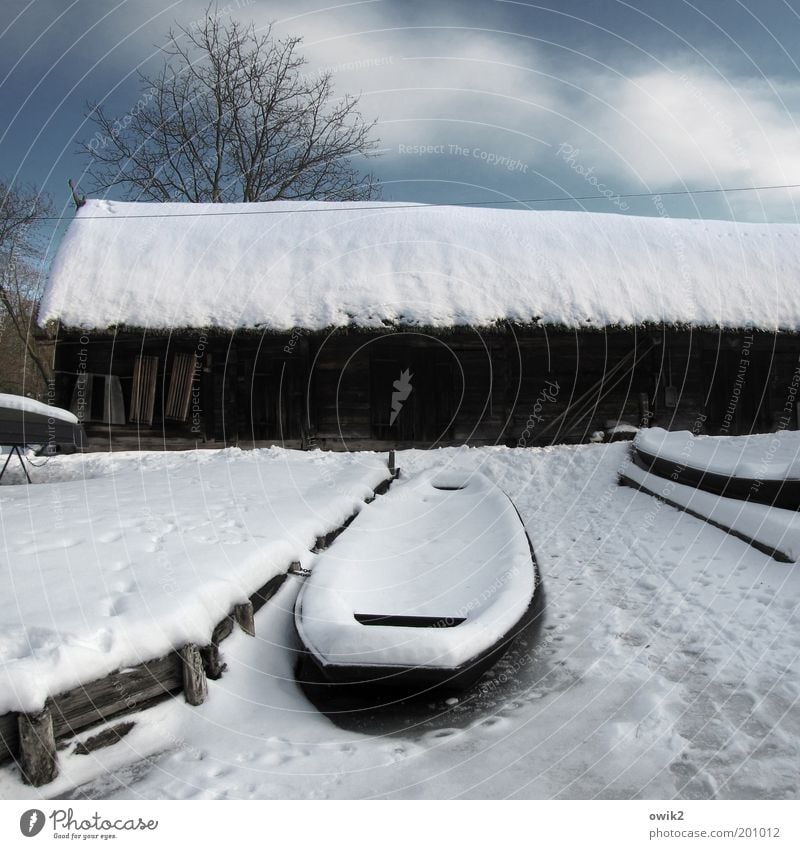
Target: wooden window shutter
(143,396)
(180,388)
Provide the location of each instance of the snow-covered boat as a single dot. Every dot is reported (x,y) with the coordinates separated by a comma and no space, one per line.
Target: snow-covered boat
(27,422)
(764,468)
(428,586)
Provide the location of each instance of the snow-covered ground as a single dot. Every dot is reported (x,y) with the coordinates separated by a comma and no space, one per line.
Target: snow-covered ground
(666,666)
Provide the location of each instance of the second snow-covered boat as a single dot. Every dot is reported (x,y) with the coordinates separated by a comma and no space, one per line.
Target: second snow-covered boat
(764,468)
(428,586)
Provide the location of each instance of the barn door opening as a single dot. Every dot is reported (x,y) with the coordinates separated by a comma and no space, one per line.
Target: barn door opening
(738,391)
(273,406)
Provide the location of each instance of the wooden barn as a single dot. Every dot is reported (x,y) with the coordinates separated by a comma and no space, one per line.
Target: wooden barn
(376,325)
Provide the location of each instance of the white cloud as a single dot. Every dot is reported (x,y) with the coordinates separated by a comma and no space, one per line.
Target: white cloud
(670,130)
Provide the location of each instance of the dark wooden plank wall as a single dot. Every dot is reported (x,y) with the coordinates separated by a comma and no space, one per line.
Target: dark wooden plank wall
(458,388)
(679,373)
(480,391)
(751,380)
(567,385)
(510,386)
(103,354)
(340,386)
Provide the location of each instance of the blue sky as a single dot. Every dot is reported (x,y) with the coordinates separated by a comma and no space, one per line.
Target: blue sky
(475,101)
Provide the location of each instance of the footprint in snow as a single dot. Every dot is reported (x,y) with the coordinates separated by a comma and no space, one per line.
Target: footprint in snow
(119,605)
(44,547)
(218,772)
(22,642)
(101,641)
(441,735)
(274,759)
(692,783)
(491,722)
(633,638)
(109,537)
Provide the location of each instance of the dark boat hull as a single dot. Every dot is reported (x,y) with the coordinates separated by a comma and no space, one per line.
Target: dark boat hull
(415,679)
(776,493)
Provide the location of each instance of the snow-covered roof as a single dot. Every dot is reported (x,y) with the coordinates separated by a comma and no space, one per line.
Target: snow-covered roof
(313,265)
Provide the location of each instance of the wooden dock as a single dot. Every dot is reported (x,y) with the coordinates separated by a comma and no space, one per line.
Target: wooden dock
(32,740)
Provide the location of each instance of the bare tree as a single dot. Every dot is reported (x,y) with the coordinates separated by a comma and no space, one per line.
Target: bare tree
(231,116)
(21,210)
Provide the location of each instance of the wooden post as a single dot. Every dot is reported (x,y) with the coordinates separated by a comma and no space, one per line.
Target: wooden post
(195,684)
(37,748)
(243,614)
(212,661)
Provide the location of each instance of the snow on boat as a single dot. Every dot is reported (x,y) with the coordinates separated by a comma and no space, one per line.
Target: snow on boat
(428,586)
(27,422)
(764,468)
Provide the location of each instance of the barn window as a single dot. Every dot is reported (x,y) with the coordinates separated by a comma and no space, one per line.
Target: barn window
(180,388)
(98,398)
(143,394)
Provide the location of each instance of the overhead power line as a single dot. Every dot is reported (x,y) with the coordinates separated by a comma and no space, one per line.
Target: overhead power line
(561,199)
